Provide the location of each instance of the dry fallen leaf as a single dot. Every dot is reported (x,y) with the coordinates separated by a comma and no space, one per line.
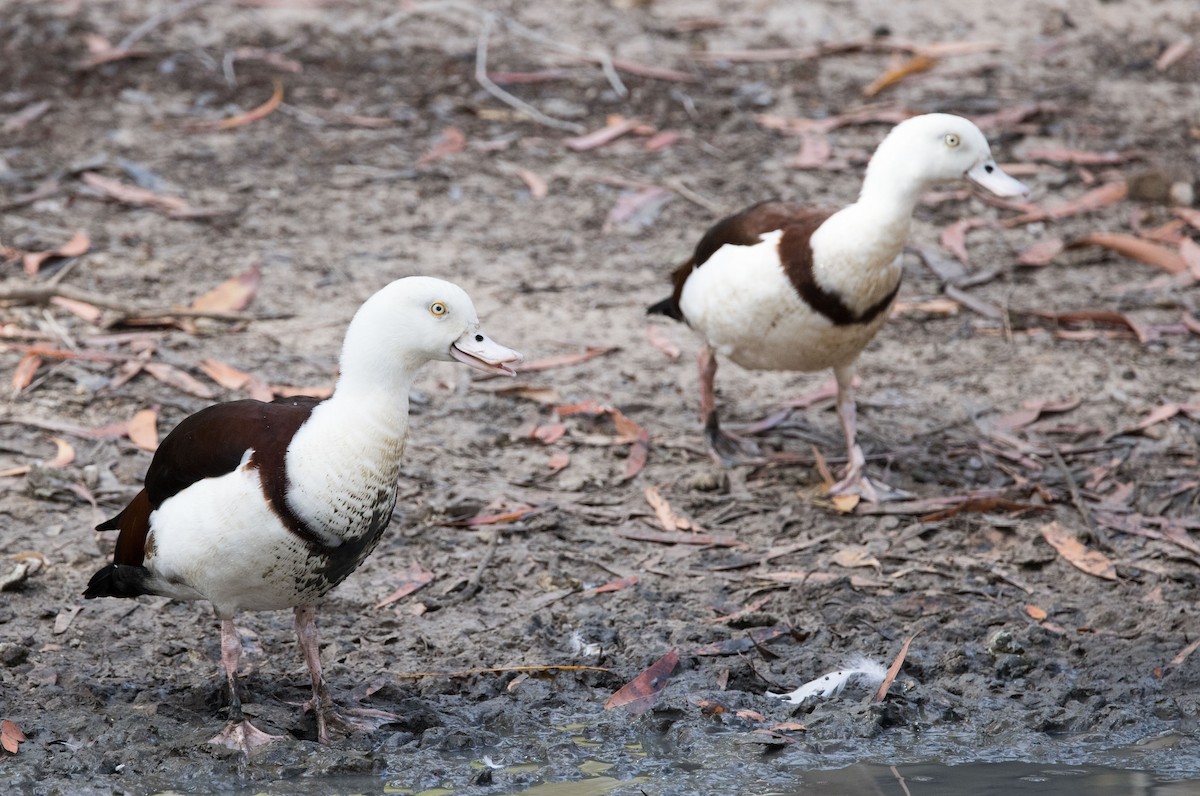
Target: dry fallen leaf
(658,338)
(537,186)
(549,433)
(179,379)
(232,295)
(614,585)
(559,460)
(416,577)
(77,245)
(143,429)
(10,736)
(590,352)
(667,518)
(26,369)
(451,141)
(1077,554)
(132,194)
(231,378)
(1041,253)
(1173,53)
(1036,613)
(639,693)
(1079,157)
(815,151)
(954,237)
(1032,409)
(850,557)
(1148,252)
(892,671)
(242,119)
(919,62)
(65,453)
(614,130)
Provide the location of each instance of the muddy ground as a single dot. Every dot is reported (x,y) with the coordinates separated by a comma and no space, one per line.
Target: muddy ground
(354,180)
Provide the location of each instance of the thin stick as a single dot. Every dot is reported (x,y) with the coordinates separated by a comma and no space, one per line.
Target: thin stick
(42,294)
(602,58)
(1099,536)
(138,33)
(472,587)
(481,75)
(503,669)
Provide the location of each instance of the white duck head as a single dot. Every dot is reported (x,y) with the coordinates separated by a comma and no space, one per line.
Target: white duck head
(412,321)
(933,148)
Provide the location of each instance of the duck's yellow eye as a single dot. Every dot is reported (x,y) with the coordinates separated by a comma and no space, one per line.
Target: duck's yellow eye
(438,309)
(952,140)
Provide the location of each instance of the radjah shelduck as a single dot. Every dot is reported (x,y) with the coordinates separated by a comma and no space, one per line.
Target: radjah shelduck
(783,287)
(262,506)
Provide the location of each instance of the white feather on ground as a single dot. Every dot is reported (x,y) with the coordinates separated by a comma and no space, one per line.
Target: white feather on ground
(858,667)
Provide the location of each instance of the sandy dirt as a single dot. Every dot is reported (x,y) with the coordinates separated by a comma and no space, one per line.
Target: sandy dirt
(387,158)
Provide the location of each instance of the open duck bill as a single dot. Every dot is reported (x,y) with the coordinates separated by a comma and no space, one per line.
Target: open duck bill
(988,175)
(479,351)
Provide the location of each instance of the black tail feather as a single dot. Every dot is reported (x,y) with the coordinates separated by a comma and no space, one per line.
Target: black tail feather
(669,307)
(118,580)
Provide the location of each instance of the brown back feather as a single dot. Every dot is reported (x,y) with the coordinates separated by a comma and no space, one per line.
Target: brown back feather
(209,444)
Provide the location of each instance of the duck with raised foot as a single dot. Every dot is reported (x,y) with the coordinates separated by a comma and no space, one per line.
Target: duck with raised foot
(782,287)
(262,506)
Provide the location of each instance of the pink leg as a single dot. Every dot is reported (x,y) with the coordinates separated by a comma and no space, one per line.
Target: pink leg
(853,481)
(322,701)
(728,449)
(238,733)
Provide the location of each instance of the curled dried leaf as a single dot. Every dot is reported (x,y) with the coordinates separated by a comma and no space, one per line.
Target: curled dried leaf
(143,429)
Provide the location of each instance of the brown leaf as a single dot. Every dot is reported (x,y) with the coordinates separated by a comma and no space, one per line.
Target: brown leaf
(242,119)
(1081,158)
(1189,250)
(451,141)
(232,295)
(291,391)
(639,693)
(598,138)
(530,392)
(1107,194)
(614,585)
(658,338)
(88,312)
(1036,613)
(1105,317)
(919,62)
(937,306)
(639,450)
(22,118)
(231,378)
(537,186)
(815,151)
(180,380)
(559,460)
(493,519)
(143,429)
(637,208)
(131,194)
(1156,416)
(1173,53)
(1190,215)
(1137,248)
(77,245)
(892,671)
(661,140)
(954,237)
(668,519)
(591,352)
(1033,409)
(549,433)
(1041,253)
(26,369)
(851,557)
(416,577)
(1092,562)
(10,736)
(65,453)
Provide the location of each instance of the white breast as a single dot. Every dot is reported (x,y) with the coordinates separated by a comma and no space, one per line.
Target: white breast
(219,540)
(743,303)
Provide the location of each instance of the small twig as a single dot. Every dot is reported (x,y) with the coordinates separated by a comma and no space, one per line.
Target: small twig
(42,294)
(489,85)
(900,779)
(472,587)
(695,198)
(138,33)
(504,670)
(1099,536)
